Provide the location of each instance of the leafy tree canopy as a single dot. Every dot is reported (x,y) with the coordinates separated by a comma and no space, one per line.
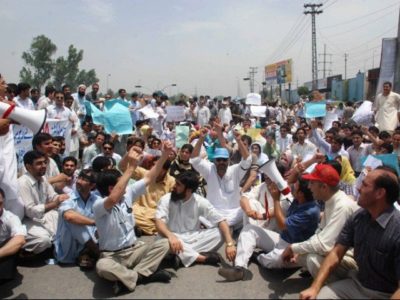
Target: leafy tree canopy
(41,68)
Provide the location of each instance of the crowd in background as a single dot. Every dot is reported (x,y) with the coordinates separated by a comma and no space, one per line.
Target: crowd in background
(337,219)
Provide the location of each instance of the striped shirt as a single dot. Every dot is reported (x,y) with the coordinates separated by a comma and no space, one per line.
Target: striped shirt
(376,248)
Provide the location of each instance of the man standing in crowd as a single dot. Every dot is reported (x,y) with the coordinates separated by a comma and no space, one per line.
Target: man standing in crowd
(22,99)
(79,102)
(387,108)
(48,98)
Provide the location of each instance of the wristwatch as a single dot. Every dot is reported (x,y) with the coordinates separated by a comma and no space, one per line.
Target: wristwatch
(230,244)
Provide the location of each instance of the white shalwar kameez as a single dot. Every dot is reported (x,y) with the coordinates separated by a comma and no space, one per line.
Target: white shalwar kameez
(258,197)
(184,220)
(224,193)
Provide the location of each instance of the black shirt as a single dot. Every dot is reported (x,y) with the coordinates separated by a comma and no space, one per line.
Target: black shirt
(376,248)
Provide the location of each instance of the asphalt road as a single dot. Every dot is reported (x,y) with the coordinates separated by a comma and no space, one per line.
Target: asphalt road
(198,281)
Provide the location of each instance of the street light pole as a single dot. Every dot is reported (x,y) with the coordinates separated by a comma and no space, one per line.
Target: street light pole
(173,84)
(108,76)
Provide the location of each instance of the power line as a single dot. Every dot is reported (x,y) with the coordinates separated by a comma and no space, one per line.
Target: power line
(360,17)
(289,37)
(330,4)
(360,26)
(294,41)
(378,36)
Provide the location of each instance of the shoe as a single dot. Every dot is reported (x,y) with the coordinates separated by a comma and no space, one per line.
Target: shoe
(158,276)
(117,288)
(255,255)
(138,231)
(173,261)
(232,274)
(212,258)
(305,274)
(176,262)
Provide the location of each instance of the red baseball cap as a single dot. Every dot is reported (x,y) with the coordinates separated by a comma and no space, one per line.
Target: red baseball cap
(324,173)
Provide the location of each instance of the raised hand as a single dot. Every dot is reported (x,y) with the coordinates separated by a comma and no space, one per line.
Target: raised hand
(274,191)
(168,147)
(134,156)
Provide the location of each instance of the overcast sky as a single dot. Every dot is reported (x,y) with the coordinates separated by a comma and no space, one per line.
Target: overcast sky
(201,45)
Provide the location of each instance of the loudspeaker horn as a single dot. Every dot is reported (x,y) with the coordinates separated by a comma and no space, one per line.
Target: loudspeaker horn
(33,119)
(270,169)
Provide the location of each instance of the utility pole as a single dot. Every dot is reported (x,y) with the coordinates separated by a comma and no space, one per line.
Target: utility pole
(345,65)
(238,88)
(314,11)
(252,72)
(396,83)
(324,62)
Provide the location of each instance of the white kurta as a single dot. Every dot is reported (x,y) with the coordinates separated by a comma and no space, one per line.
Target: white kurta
(387,108)
(258,197)
(184,219)
(224,193)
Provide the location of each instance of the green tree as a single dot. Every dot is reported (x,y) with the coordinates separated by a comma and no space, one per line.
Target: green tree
(39,62)
(67,71)
(40,67)
(85,77)
(302,90)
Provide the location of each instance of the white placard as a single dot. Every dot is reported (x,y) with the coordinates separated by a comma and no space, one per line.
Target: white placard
(363,114)
(253,99)
(175,113)
(148,112)
(258,111)
(329,118)
(57,127)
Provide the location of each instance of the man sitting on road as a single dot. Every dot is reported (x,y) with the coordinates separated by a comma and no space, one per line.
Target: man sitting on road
(373,231)
(223,180)
(179,219)
(12,238)
(299,224)
(75,240)
(41,203)
(123,259)
(324,185)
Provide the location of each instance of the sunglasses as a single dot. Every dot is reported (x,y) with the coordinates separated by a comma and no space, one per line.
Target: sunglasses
(221,159)
(107,148)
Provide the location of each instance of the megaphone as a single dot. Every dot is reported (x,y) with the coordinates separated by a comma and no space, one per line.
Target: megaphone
(270,169)
(33,119)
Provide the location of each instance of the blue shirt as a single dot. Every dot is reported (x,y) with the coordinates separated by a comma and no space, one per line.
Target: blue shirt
(71,238)
(301,222)
(116,225)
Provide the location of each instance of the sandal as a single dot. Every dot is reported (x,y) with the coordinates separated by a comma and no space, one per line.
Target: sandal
(85,262)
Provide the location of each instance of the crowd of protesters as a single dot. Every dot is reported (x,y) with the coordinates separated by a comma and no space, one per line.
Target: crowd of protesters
(90,206)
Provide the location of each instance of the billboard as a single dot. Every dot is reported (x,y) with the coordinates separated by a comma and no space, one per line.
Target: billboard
(279,73)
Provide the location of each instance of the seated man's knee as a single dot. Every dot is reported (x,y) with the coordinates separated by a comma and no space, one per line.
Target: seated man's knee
(102,265)
(42,243)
